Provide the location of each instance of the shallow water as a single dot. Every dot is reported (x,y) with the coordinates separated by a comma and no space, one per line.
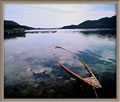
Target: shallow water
(32,72)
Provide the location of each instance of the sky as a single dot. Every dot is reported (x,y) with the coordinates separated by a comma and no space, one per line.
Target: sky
(52,15)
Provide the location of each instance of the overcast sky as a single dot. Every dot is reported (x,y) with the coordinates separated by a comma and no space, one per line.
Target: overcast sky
(56,15)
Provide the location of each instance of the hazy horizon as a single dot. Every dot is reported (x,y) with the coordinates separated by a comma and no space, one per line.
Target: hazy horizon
(56,15)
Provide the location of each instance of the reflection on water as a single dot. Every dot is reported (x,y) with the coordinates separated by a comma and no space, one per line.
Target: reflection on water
(71,61)
(32,72)
(13,36)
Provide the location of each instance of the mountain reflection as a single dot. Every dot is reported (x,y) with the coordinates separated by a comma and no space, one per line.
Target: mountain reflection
(109,33)
(100,33)
(14,35)
(32,72)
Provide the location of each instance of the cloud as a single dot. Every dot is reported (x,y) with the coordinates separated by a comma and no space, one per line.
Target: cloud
(56,15)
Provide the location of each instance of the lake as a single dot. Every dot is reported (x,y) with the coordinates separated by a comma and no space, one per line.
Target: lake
(31,70)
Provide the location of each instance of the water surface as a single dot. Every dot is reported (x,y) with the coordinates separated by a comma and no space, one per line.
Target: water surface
(32,72)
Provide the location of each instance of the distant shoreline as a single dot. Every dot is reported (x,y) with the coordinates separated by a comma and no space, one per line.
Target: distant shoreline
(103,23)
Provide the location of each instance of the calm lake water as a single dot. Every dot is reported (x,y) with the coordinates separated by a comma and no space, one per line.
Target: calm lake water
(32,72)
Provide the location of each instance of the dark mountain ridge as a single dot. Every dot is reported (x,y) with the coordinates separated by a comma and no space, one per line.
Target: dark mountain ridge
(13,25)
(106,22)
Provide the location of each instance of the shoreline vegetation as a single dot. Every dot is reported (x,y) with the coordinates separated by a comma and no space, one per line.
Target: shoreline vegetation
(13,29)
